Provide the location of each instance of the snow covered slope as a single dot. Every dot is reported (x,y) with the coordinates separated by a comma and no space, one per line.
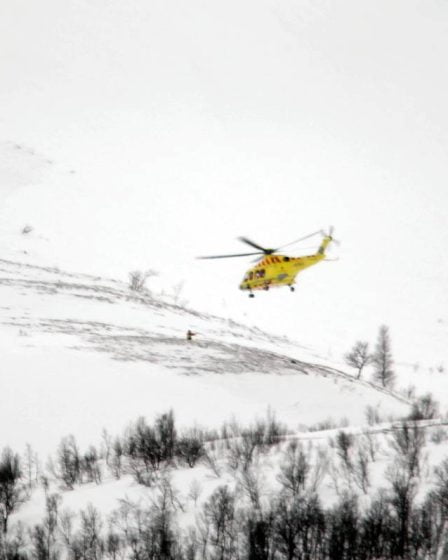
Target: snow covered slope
(83,353)
(174,127)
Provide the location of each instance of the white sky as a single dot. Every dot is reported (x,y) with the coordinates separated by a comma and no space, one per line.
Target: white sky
(174,127)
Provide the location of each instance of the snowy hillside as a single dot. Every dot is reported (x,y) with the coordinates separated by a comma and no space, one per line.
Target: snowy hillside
(82,353)
(143,134)
(84,357)
(135,136)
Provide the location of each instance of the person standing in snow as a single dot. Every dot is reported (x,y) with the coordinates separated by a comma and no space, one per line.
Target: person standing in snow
(190,334)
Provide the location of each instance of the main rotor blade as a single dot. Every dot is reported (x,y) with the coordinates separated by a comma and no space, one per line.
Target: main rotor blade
(231,256)
(255,245)
(300,239)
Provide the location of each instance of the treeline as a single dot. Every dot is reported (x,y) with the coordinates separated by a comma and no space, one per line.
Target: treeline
(292,525)
(144,449)
(270,507)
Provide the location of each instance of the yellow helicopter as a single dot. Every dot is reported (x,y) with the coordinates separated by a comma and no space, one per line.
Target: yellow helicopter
(275,269)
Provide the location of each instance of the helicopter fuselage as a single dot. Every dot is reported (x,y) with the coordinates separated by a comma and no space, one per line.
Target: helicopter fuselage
(280,270)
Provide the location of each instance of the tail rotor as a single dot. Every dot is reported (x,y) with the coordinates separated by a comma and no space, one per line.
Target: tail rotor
(329,234)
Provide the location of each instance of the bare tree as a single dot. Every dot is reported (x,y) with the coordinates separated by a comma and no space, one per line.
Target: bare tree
(373,415)
(143,451)
(259,534)
(90,465)
(344,445)
(190,447)
(176,294)
(319,469)
(30,464)
(299,528)
(361,467)
(69,462)
(166,435)
(219,518)
(359,356)
(195,491)
(66,525)
(88,543)
(404,490)
(43,536)
(241,449)
(147,533)
(441,483)
(106,446)
(408,442)
(137,279)
(11,491)
(382,358)
(344,529)
(294,469)
(252,482)
(211,461)
(371,444)
(116,458)
(114,545)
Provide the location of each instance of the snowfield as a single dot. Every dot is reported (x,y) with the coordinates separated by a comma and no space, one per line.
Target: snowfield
(82,353)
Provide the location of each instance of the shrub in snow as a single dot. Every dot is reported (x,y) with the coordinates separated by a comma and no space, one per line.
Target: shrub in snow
(31,469)
(142,451)
(137,279)
(438,435)
(116,458)
(166,435)
(361,466)
(344,443)
(68,462)
(408,442)
(327,424)
(27,229)
(373,415)
(90,466)
(146,447)
(190,448)
(425,408)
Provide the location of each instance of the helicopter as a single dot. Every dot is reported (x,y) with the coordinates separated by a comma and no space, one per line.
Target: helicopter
(274,269)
